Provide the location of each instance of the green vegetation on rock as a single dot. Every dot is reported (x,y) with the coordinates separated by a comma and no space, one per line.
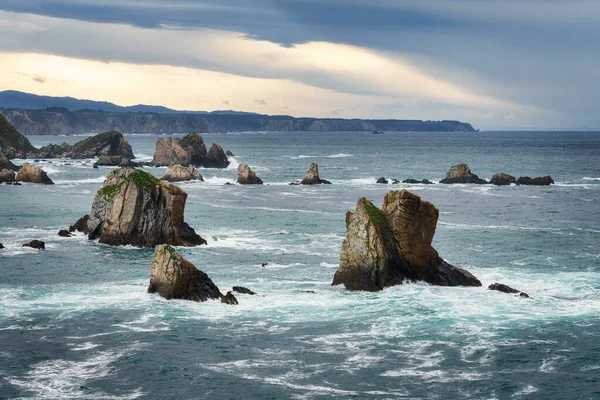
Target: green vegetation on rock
(169,249)
(376,216)
(140,178)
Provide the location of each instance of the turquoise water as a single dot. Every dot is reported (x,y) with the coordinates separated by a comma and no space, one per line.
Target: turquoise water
(76,321)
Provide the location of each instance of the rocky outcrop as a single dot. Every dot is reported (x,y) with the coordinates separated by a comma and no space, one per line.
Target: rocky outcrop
(7,176)
(1,246)
(382,180)
(179,173)
(32,174)
(389,246)
(502,179)
(461,173)
(243,290)
(229,154)
(36,244)
(174,277)
(230,299)
(423,181)
(135,208)
(64,233)
(109,144)
(312,176)
(506,289)
(247,177)
(12,143)
(5,163)
(539,181)
(189,150)
(114,161)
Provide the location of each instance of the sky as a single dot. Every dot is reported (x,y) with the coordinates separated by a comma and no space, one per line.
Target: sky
(510,64)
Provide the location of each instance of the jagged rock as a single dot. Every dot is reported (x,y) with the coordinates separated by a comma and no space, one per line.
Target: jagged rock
(382,180)
(134,207)
(461,173)
(229,298)
(64,233)
(5,162)
(389,246)
(247,177)
(189,150)
(7,176)
(111,143)
(423,181)
(179,173)
(502,179)
(36,244)
(506,289)
(539,181)
(174,277)
(82,225)
(229,154)
(33,174)
(312,176)
(243,290)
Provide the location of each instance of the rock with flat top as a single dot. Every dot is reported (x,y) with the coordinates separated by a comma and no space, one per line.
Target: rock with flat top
(247,177)
(539,181)
(32,174)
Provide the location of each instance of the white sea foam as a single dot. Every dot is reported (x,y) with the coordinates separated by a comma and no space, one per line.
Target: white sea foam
(340,155)
(585,178)
(100,179)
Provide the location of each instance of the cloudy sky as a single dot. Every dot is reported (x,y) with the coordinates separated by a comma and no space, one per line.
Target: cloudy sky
(497,64)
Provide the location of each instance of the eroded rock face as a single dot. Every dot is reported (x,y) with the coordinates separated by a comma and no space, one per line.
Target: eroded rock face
(247,177)
(174,277)
(7,176)
(135,208)
(386,247)
(461,173)
(502,179)
(539,181)
(312,176)
(189,150)
(506,289)
(179,173)
(33,174)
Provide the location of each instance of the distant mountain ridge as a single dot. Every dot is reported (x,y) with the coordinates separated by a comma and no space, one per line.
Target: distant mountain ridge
(43,115)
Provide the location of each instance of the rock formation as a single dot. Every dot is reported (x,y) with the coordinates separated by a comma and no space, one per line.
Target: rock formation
(174,277)
(33,174)
(189,150)
(109,144)
(461,173)
(134,207)
(312,176)
(7,176)
(115,161)
(12,143)
(229,154)
(179,173)
(382,180)
(36,244)
(247,177)
(539,181)
(64,233)
(243,290)
(506,289)
(502,179)
(423,181)
(5,163)
(229,298)
(389,246)
(1,246)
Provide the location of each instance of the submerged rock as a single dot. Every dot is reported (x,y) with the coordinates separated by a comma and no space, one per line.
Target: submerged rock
(506,289)
(189,150)
(389,246)
(174,277)
(243,290)
(461,173)
(134,207)
(229,298)
(7,176)
(33,174)
(36,244)
(382,180)
(502,179)
(312,176)
(64,233)
(247,177)
(179,173)
(539,181)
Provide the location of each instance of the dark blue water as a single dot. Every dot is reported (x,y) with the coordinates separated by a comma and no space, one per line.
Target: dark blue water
(76,321)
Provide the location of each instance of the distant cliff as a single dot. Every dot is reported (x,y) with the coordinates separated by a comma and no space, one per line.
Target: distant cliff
(61,121)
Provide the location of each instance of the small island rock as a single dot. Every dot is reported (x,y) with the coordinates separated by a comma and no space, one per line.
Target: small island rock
(229,298)
(179,173)
(312,176)
(247,177)
(33,174)
(382,180)
(36,244)
(539,181)
(502,179)
(413,181)
(189,150)
(243,290)
(7,176)
(64,233)
(461,173)
(506,289)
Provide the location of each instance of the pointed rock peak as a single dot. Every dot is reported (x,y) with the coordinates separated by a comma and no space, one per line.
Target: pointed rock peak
(247,177)
(312,176)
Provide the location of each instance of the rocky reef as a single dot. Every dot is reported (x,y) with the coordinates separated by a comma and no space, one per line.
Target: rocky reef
(506,289)
(502,179)
(461,173)
(189,150)
(312,176)
(388,246)
(135,208)
(247,177)
(32,174)
(538,181)
(179,173)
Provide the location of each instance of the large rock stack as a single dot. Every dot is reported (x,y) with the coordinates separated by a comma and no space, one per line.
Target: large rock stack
(189,150)
(247,177)
(312,176)
(389,246)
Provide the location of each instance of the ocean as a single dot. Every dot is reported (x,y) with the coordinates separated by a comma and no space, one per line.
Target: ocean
(76,321)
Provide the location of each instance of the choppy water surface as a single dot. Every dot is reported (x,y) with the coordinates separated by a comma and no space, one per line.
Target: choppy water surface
(76,321)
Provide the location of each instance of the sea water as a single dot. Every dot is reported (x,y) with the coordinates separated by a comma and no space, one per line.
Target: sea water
(76,321)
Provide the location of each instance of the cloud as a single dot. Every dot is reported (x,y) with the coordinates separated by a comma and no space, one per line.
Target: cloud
(225,102)
(260,102)
(40,79)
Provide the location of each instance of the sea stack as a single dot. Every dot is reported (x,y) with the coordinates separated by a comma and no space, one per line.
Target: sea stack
(461,173)
(33,174)
(247,177)
(174,277)
(389,246)
(190,149)
(179,173)
(135,208)
(312,176)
